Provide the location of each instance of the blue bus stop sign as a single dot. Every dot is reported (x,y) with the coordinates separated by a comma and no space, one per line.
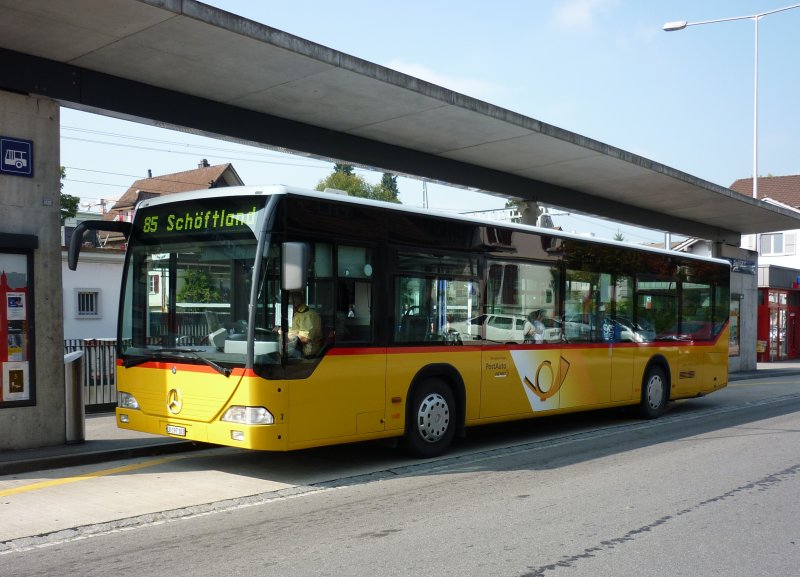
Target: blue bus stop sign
(16,156)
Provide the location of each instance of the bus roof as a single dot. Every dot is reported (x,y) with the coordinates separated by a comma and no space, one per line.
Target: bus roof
(341,196)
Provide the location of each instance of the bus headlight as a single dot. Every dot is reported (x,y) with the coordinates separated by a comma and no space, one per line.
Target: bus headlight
(248,415)
(127,401)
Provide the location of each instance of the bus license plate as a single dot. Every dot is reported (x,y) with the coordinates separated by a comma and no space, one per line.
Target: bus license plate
(174,430)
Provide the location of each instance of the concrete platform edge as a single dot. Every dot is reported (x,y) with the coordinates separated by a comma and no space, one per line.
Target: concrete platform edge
(58,461)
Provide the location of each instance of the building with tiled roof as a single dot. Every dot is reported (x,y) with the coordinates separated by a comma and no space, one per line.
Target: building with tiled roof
(777,247)
(204,176)
(784,189)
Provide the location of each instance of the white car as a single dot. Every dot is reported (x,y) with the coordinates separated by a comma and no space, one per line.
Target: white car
(503,328)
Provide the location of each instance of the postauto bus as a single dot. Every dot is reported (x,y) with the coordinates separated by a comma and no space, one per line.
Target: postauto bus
(206,348)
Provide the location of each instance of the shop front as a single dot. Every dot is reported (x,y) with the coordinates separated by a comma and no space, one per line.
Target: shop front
(778,314)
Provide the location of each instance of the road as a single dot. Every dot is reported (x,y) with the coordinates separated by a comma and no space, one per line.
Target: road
(709,489)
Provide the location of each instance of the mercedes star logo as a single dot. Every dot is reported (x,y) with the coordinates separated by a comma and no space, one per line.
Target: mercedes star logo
(174,401)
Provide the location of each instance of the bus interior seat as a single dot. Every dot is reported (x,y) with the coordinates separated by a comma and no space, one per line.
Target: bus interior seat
(218,337)
(212,321)
(413,329)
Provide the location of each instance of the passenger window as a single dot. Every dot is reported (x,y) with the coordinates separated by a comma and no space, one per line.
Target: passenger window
(588,295)
(657,304)
(696,311)
(437,300)
(517,292)
(354,294)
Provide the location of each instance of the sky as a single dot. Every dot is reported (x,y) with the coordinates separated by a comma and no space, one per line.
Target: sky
(604,69)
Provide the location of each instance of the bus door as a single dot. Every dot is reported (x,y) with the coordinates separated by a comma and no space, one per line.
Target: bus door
(436,299)
(626,330)
(591,339)
(337,388)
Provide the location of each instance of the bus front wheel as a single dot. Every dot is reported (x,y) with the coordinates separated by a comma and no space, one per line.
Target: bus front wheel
(431,419)
(655,393)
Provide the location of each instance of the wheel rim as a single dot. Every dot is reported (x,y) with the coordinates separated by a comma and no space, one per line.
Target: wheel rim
(655,391)
(433,418)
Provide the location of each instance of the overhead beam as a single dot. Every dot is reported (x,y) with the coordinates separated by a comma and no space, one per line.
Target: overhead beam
(111,95)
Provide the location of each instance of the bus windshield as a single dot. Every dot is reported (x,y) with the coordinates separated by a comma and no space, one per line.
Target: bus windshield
(188,282)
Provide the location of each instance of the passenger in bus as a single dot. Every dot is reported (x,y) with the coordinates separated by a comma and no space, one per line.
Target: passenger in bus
(533,329)
(305,334)
(451,335)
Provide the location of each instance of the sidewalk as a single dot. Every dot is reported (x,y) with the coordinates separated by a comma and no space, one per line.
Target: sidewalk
(105,442)
(768,370)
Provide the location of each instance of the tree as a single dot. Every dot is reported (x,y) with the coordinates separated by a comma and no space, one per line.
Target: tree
(69,203)
(198,288)
(619,236)
(387,189)
(344,178)
(343,168)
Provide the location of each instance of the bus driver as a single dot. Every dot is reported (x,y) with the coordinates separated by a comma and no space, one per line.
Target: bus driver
(305,334)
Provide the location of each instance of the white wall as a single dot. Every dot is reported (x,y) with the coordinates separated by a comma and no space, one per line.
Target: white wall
(101,270)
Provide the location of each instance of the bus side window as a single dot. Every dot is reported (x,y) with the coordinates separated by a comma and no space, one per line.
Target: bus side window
(319,291)
(354,294)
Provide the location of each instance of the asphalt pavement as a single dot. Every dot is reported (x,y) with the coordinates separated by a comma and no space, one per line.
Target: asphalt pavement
(105,442)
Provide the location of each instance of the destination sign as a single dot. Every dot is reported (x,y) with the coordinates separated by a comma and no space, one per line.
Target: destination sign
(217,215)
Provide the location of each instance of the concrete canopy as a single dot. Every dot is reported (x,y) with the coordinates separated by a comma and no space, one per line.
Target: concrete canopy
(181,63)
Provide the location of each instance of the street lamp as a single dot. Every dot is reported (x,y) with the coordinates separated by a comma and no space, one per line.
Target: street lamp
(681,24)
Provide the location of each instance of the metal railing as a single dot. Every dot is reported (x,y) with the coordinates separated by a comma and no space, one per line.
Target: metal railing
(99,369)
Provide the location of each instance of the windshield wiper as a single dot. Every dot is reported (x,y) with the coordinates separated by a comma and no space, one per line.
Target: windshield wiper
(192,353)
(134,361)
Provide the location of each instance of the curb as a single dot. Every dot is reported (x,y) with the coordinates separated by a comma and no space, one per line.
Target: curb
(92,457)
(762,374)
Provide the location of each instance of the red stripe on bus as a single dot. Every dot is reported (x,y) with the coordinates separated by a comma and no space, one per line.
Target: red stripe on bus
(164,366)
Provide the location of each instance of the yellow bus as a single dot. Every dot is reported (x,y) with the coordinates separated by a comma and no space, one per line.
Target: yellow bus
(276,318)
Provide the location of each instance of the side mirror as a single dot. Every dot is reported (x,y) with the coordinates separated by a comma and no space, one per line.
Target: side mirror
(87,225)
(294,266)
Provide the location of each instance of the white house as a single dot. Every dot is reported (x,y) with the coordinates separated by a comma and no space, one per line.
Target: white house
(778,271)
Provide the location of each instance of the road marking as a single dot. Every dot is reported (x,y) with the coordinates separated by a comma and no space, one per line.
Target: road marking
(758,383)
(88,476)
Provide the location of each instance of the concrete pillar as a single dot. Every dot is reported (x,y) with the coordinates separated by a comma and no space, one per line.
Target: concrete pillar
(30,209)
(744,286)
(529,211)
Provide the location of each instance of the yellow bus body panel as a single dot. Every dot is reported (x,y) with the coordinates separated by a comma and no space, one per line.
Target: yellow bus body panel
(361,394)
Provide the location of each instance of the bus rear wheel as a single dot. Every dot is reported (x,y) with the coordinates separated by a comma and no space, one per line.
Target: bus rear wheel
(655,392)
(430,422)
